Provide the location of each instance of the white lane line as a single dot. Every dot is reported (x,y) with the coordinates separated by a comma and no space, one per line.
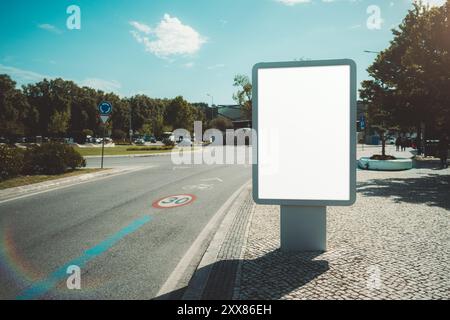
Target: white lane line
(213,179)
(180,168)
(75,184)
(202,186)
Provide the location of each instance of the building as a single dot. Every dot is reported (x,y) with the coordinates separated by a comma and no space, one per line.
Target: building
(234,114)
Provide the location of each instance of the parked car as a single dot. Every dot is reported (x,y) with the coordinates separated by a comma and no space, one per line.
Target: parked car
(169,136)
(139,141)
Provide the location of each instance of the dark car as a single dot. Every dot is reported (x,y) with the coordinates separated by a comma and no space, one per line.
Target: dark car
(150,139)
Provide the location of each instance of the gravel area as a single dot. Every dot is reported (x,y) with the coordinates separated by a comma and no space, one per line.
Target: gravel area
(394,243)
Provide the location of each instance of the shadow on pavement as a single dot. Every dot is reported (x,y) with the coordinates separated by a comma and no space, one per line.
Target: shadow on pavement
(270,277)
(434,164)
(432,190)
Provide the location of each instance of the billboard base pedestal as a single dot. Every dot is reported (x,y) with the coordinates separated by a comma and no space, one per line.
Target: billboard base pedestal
(303,228)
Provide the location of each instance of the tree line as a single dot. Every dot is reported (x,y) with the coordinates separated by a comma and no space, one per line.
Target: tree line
(410,90)
(59,108)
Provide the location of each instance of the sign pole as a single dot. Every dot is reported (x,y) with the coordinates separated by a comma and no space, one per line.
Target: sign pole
(363,128)
(105,110)
(103,144)
(303,228)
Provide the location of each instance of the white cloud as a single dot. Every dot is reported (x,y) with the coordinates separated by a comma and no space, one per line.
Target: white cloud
(170,37)
(189,65)
(434,3)
(101,84)
(49,28)
(141,27)
(216,66)
(23,77)
(293,2)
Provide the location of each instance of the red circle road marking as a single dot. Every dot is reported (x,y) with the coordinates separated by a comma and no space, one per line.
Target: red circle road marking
(175,201)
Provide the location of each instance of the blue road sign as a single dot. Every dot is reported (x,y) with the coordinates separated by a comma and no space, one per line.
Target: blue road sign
(105,108)
(363,122)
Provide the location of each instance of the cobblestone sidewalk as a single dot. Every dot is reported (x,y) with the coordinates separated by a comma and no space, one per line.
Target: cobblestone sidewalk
(394,243)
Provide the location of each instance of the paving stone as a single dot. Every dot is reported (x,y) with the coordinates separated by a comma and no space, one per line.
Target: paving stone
(394,243)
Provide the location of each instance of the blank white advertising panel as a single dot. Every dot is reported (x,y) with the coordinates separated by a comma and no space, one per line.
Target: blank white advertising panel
(305,133)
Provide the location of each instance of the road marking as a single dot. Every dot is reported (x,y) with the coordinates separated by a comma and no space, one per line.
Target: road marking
(174,201)
(202,186)
(213,179)
(180,168)
(43,286)
(196,250)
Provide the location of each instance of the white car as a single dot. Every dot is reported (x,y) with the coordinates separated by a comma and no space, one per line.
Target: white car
(140,142)
(185,142)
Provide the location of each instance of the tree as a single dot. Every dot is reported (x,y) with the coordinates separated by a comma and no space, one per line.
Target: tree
(416,68)
(380,112)
(179,114)
(244,95)
(52,99)
(119,134)
(204,112)
(221,124)
(16,115)
(83,110)
(58,123)
(60,108)
(147,112)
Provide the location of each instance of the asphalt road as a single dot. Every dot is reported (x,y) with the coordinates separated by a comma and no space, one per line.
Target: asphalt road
(126,249)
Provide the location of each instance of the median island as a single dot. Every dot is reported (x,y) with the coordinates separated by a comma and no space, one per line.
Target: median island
(122,150)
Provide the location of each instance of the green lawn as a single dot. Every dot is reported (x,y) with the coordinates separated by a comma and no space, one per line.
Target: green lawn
(26,180)
(120,150)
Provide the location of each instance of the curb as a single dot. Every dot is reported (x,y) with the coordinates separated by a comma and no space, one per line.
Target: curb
(198,284)
(137,155)
(146,155)
(11,194)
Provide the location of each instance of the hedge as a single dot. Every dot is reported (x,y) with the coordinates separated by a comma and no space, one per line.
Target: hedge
(11,161)
(49,159)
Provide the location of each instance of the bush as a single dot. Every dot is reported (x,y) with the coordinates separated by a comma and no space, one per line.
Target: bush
(51,158)
(74,159)
(11,162)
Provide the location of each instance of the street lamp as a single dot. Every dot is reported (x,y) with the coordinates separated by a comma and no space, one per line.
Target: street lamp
(369,51)
(212,99)
(131,128)
(212,106)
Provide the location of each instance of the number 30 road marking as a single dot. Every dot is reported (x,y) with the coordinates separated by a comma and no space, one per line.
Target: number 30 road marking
(174,201)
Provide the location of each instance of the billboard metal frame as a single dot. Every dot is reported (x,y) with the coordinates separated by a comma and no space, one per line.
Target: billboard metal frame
(351,132)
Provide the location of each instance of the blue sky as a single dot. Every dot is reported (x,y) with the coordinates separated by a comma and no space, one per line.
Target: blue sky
(165,48)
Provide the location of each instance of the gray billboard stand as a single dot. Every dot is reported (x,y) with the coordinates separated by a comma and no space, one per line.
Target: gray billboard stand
(303,222)
(303,228)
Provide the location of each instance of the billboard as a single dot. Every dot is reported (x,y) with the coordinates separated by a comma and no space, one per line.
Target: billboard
(304,114)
